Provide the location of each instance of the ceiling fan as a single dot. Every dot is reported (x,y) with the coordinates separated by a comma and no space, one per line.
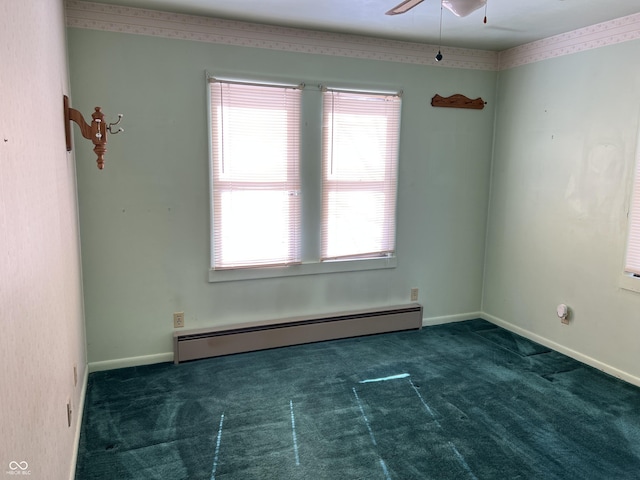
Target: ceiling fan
(460,8)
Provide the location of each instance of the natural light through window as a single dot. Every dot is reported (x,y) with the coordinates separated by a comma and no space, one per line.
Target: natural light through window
(303,179)
(632,263)
(256,185)
(360,154)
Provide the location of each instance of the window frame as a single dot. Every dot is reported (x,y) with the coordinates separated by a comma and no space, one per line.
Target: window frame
(367,106)
(310,168)
(285,182)
(630,280)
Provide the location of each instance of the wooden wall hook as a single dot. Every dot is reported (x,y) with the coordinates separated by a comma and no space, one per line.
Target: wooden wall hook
(96,131)
(458,101)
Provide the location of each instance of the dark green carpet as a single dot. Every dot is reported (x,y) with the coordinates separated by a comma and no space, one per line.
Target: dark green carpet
(458,401)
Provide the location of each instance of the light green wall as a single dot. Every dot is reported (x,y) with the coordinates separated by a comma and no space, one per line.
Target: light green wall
(566,137)
(145,218)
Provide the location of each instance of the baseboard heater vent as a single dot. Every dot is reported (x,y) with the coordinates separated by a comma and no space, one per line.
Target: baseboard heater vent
(247,337)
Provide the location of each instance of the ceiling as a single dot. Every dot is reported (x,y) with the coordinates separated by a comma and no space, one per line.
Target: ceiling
(510,22)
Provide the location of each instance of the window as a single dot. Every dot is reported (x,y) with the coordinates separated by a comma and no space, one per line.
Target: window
(256,182)
(632,263)
(359,165)
(272,208)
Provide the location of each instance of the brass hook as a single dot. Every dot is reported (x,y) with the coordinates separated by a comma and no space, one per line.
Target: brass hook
(114,124)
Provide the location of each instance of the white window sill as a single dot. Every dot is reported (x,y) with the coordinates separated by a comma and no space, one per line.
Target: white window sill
(629,282)
(314,268)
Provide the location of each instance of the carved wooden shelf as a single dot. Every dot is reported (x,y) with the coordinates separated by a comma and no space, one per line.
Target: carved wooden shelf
(458,101)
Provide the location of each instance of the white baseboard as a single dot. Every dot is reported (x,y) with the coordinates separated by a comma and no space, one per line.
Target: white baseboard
(627,377)
(168,357)
(80,413)
(130,362)
(461,317)
(622,375)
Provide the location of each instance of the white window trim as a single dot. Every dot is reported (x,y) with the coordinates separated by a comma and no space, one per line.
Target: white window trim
(629,282)
(311,268)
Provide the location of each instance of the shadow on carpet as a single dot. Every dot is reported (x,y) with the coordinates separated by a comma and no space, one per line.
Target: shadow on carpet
(458,401)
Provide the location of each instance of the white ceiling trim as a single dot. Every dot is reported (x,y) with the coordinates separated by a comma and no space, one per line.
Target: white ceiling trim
(137,21)
(600,35)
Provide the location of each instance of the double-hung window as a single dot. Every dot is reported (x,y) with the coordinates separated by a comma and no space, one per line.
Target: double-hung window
(256,180)
(324,212)
(632,261)
(359,171)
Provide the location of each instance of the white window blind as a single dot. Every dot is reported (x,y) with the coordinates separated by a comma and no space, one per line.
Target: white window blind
(359,167)
(255,168)
(632,264)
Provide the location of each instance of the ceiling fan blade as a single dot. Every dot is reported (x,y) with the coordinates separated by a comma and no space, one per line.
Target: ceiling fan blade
(404,7)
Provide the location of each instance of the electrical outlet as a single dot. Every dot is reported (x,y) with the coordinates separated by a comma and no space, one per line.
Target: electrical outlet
(178,320)
(414,294)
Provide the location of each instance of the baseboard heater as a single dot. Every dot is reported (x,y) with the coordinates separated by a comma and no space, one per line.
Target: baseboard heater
(247,337)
